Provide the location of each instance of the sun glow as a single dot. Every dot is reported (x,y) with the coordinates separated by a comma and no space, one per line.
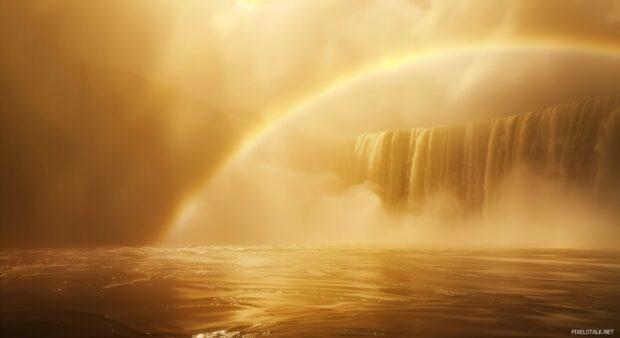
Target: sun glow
(247,5)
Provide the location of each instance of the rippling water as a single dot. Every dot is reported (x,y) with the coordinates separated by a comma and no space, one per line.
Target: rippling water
(249,292)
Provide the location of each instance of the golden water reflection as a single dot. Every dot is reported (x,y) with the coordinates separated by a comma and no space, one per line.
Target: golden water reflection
(247,292)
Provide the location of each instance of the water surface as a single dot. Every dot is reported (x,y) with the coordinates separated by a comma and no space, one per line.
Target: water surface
(303,292)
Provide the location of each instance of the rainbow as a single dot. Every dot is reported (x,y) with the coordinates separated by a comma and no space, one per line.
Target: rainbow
(278,117)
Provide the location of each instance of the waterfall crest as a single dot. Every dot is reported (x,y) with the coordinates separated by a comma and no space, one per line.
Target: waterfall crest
(577,143)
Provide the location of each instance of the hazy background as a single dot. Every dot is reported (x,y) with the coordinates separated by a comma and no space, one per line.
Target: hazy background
(293,184)
(120,120)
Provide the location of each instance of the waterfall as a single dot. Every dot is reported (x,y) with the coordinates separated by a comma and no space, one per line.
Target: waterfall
(577,143)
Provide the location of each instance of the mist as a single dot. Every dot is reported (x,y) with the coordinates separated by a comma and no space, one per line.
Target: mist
(302,168)
(121,123)
(295,185)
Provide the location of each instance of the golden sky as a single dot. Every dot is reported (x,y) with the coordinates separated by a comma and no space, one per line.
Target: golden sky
(115,113)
